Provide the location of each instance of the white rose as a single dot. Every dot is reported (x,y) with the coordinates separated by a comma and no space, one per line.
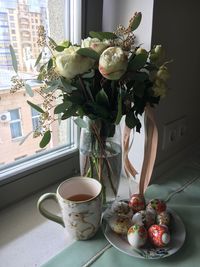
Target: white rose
(95,44)
(113,63)
(69,63)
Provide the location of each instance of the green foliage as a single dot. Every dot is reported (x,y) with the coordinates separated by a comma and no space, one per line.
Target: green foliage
(61,108)
(29,90)
(45,139)
(38,59)
(138,62)
(60,48)
(119,109)
(88,52)
(132,121)
(36,107)
(52,41)
(103,35)
(136,21)
(80,122)
(14,59)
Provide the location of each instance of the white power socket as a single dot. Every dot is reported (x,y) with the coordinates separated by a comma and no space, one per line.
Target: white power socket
(174,132)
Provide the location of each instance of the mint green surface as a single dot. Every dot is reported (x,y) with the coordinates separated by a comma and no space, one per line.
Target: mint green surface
(187,205)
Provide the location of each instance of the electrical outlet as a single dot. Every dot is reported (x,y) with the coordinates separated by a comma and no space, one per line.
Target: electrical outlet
(174,132)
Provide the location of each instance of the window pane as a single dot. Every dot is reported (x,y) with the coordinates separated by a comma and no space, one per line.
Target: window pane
(19,21)
(15,128)
(14,114)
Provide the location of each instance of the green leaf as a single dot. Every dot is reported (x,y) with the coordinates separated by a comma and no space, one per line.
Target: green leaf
(53,86)
(39,109)
(29,90)
(102,98)
(132,121)
(138,62)
(139,88)
(61,108)
(89,75)
(119,108)
(52,41)
(14,59)
(38,59)
(65,43)
(67,87)
(88,52)
(103,35)
(136,21)
(71,111)
(60,48)
(80,122)
(50,64)
(45,139)
(99,110)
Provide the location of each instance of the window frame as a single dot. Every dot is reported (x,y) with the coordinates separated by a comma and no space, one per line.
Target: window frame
(26,179)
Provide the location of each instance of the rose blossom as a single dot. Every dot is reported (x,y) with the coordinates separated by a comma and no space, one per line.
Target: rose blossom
(95,44)
(113,63)
(69,63)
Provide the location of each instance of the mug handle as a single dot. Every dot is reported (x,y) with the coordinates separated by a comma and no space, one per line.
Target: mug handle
(45,212)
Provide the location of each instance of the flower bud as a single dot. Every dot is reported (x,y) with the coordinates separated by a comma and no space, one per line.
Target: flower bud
(163,73)
(141,50)
(113,63)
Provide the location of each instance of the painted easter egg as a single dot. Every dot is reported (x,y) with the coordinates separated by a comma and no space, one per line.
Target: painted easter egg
(119,224)
(163,218)
(137,235)
(121,208)
(144,217)
(157,204)
(137,202)
(159,235)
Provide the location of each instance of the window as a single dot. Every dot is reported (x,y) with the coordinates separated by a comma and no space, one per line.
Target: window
(60,159)
(35,119)
(15,124)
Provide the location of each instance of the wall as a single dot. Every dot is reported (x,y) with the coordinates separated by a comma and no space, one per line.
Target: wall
(175,26)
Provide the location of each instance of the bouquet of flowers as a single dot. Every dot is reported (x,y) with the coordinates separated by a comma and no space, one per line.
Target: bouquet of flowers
(103,79)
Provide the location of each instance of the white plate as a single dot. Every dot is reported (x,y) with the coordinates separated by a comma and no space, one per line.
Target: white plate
(147,252)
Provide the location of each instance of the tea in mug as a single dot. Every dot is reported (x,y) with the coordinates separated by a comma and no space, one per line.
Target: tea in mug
(80,197)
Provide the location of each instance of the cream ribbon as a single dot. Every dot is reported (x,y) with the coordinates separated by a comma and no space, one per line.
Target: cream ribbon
(128,167)
(150,150)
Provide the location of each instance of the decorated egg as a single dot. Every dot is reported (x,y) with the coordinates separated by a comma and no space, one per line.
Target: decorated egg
(163,218)
(137,235)
(144,217)
(159,235)
(121,208)
(157,204)
(119,224)
(137,202)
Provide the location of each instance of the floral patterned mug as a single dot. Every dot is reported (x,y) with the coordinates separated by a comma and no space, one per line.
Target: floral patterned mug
(80,201)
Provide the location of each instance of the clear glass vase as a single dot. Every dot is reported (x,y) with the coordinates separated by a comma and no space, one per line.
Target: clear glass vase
(101,155)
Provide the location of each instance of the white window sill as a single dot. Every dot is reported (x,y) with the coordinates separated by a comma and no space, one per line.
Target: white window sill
(28,239)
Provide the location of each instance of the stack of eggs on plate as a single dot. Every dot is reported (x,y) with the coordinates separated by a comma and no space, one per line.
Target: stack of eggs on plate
(141,222)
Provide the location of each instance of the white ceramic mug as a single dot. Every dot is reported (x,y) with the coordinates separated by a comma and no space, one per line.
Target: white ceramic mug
(80,201)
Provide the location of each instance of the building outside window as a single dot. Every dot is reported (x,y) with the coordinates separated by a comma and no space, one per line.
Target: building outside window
(15,123)
(61,153)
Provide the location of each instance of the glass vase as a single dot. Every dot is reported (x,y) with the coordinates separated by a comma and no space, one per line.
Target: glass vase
(101,155)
